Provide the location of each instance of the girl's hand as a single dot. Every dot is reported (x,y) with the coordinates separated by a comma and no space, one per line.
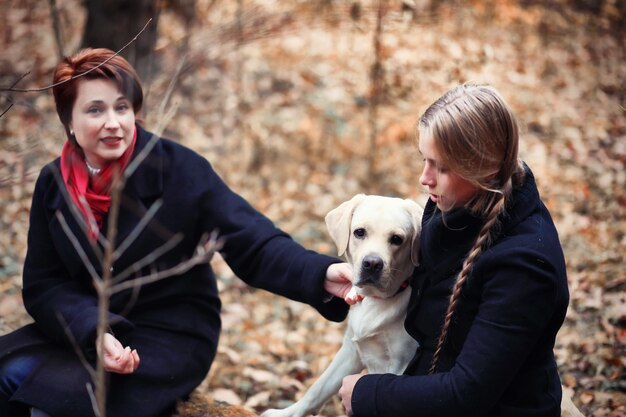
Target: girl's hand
(338,282)
(345,392)
(115,357)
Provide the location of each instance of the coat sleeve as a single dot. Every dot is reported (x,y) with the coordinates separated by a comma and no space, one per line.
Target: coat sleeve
(263,255)
(517,303)
(63,307)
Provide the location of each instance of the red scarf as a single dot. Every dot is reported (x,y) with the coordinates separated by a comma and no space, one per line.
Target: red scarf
(92,195)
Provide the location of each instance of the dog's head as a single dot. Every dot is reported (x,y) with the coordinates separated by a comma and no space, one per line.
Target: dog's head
(380,238)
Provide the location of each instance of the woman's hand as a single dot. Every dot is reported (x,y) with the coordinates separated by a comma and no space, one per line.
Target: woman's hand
(345,392)
(338,282)
(115,357)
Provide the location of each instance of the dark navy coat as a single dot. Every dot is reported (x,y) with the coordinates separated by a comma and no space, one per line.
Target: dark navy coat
(174,323)
(498,358)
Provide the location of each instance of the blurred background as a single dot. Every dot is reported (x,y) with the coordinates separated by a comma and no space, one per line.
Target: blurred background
(301,104)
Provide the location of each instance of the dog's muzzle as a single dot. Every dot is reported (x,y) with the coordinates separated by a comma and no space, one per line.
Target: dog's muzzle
(371,270)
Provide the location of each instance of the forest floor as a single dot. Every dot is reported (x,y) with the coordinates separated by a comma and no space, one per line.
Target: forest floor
(284,113)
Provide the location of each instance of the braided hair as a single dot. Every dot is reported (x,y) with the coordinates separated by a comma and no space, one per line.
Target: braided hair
(476,135)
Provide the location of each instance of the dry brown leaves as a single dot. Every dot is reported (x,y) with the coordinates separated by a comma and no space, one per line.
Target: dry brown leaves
(284,117)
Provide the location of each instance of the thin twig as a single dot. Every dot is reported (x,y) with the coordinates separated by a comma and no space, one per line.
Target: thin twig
(74,343)
(149,258)
(145,219)
(92,398)
(79,249)
(30,90)
(204,253)
(7,109)
(172,84)
(104,293)
(77,215)
(56,25)
(9,98)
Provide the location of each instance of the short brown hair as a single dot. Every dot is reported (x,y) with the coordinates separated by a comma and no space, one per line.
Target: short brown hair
(68,74)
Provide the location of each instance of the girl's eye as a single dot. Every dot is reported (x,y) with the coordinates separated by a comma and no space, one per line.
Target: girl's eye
(396,240)
(359,233)
(93,110)
(122,107)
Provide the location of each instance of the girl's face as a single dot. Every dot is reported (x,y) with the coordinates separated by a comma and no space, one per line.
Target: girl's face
(103,121)
(445,187)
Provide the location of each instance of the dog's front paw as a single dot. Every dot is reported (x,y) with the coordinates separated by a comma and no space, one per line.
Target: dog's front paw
(285,412)
(353,296)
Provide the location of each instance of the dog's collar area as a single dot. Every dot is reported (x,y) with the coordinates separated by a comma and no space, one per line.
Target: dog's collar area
(403,287)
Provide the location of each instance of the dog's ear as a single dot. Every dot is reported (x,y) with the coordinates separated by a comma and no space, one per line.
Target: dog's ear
(338,222)
(416,211)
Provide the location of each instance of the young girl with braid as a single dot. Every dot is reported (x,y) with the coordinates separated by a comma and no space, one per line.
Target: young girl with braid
(491,291)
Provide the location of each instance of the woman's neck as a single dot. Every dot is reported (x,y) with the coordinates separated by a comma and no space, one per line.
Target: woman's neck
(91,168)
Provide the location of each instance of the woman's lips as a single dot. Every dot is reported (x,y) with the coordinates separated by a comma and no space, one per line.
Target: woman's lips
(111,141)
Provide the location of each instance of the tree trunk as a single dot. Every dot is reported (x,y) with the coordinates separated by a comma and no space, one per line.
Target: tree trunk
(113,23)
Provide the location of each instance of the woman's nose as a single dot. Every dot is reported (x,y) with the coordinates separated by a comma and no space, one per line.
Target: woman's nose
(111,121)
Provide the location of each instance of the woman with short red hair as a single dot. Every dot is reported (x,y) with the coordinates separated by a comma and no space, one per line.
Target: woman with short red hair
(162,337)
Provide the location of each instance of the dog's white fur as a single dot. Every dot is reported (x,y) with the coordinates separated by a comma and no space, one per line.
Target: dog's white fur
(380,239)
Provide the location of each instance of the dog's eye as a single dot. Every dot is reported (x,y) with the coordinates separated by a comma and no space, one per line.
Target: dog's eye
(360,233)
(396,240)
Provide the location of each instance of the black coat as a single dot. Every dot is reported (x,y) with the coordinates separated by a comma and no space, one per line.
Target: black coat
(174,324)
(498,358)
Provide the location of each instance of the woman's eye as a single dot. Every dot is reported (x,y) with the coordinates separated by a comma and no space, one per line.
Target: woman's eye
(122,107)
(93,110)
(359,233)
(396,240)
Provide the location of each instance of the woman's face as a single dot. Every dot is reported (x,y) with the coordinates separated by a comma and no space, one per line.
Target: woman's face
(445,187)
(103,121)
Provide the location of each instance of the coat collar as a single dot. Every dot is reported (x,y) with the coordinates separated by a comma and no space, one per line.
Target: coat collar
(147,180)
(447,238)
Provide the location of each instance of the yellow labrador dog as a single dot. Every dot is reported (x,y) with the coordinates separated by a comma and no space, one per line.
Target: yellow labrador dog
(380,239)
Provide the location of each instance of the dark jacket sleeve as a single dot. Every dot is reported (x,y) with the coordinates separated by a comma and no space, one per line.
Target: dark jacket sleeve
(519,296)
(261,254)
(64,308)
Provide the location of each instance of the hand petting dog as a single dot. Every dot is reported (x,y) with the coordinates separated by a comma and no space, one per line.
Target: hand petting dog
(339,283)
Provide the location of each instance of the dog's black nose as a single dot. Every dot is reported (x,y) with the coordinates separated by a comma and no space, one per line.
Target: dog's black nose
(372,264)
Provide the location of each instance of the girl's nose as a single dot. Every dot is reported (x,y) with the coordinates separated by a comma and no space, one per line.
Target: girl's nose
(427,178)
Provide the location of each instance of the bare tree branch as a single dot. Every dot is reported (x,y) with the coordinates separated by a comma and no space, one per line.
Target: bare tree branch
(30,90)
(56,25)
(92,398)
(77,215)
(170,87)
(9,98)
(74,344)
(204,253)
(149,215)
(77,246)
(148,259)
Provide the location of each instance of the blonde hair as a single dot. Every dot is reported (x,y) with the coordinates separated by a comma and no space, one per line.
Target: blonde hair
(476,136)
